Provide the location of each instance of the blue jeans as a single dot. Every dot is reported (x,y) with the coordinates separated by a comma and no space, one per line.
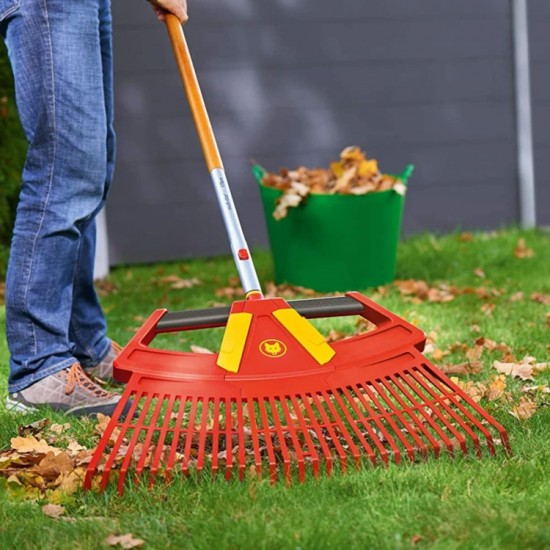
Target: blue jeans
(61,57)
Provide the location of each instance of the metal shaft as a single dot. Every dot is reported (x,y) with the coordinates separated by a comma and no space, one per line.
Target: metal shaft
(239,247)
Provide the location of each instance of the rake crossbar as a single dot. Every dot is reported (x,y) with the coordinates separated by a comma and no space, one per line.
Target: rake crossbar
(378,399)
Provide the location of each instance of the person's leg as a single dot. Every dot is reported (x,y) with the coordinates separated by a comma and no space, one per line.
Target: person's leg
(55,51)
(87,326)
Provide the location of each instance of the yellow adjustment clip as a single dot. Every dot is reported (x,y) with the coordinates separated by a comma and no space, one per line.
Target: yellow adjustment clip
(306,334)
(234,340)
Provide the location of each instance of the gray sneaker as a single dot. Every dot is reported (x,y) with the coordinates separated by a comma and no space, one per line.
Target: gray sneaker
(69,390)
(103,371)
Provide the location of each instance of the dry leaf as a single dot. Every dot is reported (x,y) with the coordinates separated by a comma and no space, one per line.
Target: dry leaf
(53,510)
(541,298)
(34,428)
(199,349)
(469,367)
(524,409)
(124,541)
(521,250)
(352,174)
(496,387)
(516,296)
(479,273)
(476,390)
(517,370)
(30,444)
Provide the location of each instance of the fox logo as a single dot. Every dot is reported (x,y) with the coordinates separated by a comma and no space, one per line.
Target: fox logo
(273,348)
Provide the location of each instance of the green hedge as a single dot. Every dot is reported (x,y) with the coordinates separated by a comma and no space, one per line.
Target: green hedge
(13,148)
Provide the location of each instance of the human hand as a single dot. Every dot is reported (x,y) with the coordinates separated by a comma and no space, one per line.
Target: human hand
(177,7)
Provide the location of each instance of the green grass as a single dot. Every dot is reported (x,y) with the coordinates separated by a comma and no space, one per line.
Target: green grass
(499,502)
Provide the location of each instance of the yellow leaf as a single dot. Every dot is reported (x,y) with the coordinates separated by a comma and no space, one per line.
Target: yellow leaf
(496,387)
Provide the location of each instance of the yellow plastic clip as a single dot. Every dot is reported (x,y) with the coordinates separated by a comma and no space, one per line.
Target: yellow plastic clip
(234,340)
(306,334)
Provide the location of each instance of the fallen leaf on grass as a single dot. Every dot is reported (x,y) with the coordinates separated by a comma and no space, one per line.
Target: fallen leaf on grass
(177,282)
(124,541)
(522,251)
(200,349)
(53,510)
(476,390)
(34,428)
(541,298)
(478,272)
(524,409)
(468,367)
(30,444)
(516,297)
(496,388)
(516,370)
(542,388)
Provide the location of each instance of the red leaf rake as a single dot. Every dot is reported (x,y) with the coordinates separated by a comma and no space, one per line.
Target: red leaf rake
(277,396)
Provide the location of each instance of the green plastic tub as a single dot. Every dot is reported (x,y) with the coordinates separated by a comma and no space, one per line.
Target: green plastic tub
(335,242)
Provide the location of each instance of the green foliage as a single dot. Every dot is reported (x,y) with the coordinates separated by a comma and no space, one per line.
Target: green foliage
(12,155)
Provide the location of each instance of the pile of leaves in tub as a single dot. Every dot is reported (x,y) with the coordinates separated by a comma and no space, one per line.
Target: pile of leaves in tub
(353,174)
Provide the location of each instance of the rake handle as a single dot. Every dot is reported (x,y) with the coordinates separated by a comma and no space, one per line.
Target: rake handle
(239,247)
(193,92)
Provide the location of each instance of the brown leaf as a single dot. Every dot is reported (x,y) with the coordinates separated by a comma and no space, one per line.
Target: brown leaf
(126,541)
(517,296)
(478,272)
(34,428)
(466,237)
(468,367)
(517,370)
(541,298)
(53,510)
(476,390)
(52,465)
(524,409)
(199,349)
(30,444)
(521,250)
(496,387)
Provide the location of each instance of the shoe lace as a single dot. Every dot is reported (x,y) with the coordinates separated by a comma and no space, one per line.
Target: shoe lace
(77,377)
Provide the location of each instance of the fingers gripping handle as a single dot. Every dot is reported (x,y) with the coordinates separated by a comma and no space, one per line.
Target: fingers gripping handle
(239,248)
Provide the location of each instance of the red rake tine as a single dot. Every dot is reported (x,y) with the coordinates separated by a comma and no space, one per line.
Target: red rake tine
(241,440)
(282,440)
(367,427)
(131,445)
(255,436)
(307,437)
(353,423)
(451,398)
(436,403)
(420,447)
(151,429)
(215,437)
(295,440)
(317,428)
(421,408)
(387,416)
(267,430)
(175,437)
(376,418)
(164,431)
(327,425)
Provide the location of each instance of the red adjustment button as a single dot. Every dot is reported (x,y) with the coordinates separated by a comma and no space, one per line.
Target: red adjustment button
(243,254)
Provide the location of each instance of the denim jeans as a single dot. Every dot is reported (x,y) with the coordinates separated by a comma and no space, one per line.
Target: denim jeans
(61,57)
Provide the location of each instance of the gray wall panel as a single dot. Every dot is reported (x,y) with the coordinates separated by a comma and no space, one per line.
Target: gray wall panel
(539,43)
(288,83)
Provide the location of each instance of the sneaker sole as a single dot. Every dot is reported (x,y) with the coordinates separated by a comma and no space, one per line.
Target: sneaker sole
(16,406)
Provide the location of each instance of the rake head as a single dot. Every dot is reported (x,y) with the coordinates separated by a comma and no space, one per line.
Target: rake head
(286,410)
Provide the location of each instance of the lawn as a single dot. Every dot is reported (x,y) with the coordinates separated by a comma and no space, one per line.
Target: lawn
(481,298)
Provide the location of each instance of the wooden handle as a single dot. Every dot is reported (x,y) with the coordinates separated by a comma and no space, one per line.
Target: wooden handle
(193,91)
